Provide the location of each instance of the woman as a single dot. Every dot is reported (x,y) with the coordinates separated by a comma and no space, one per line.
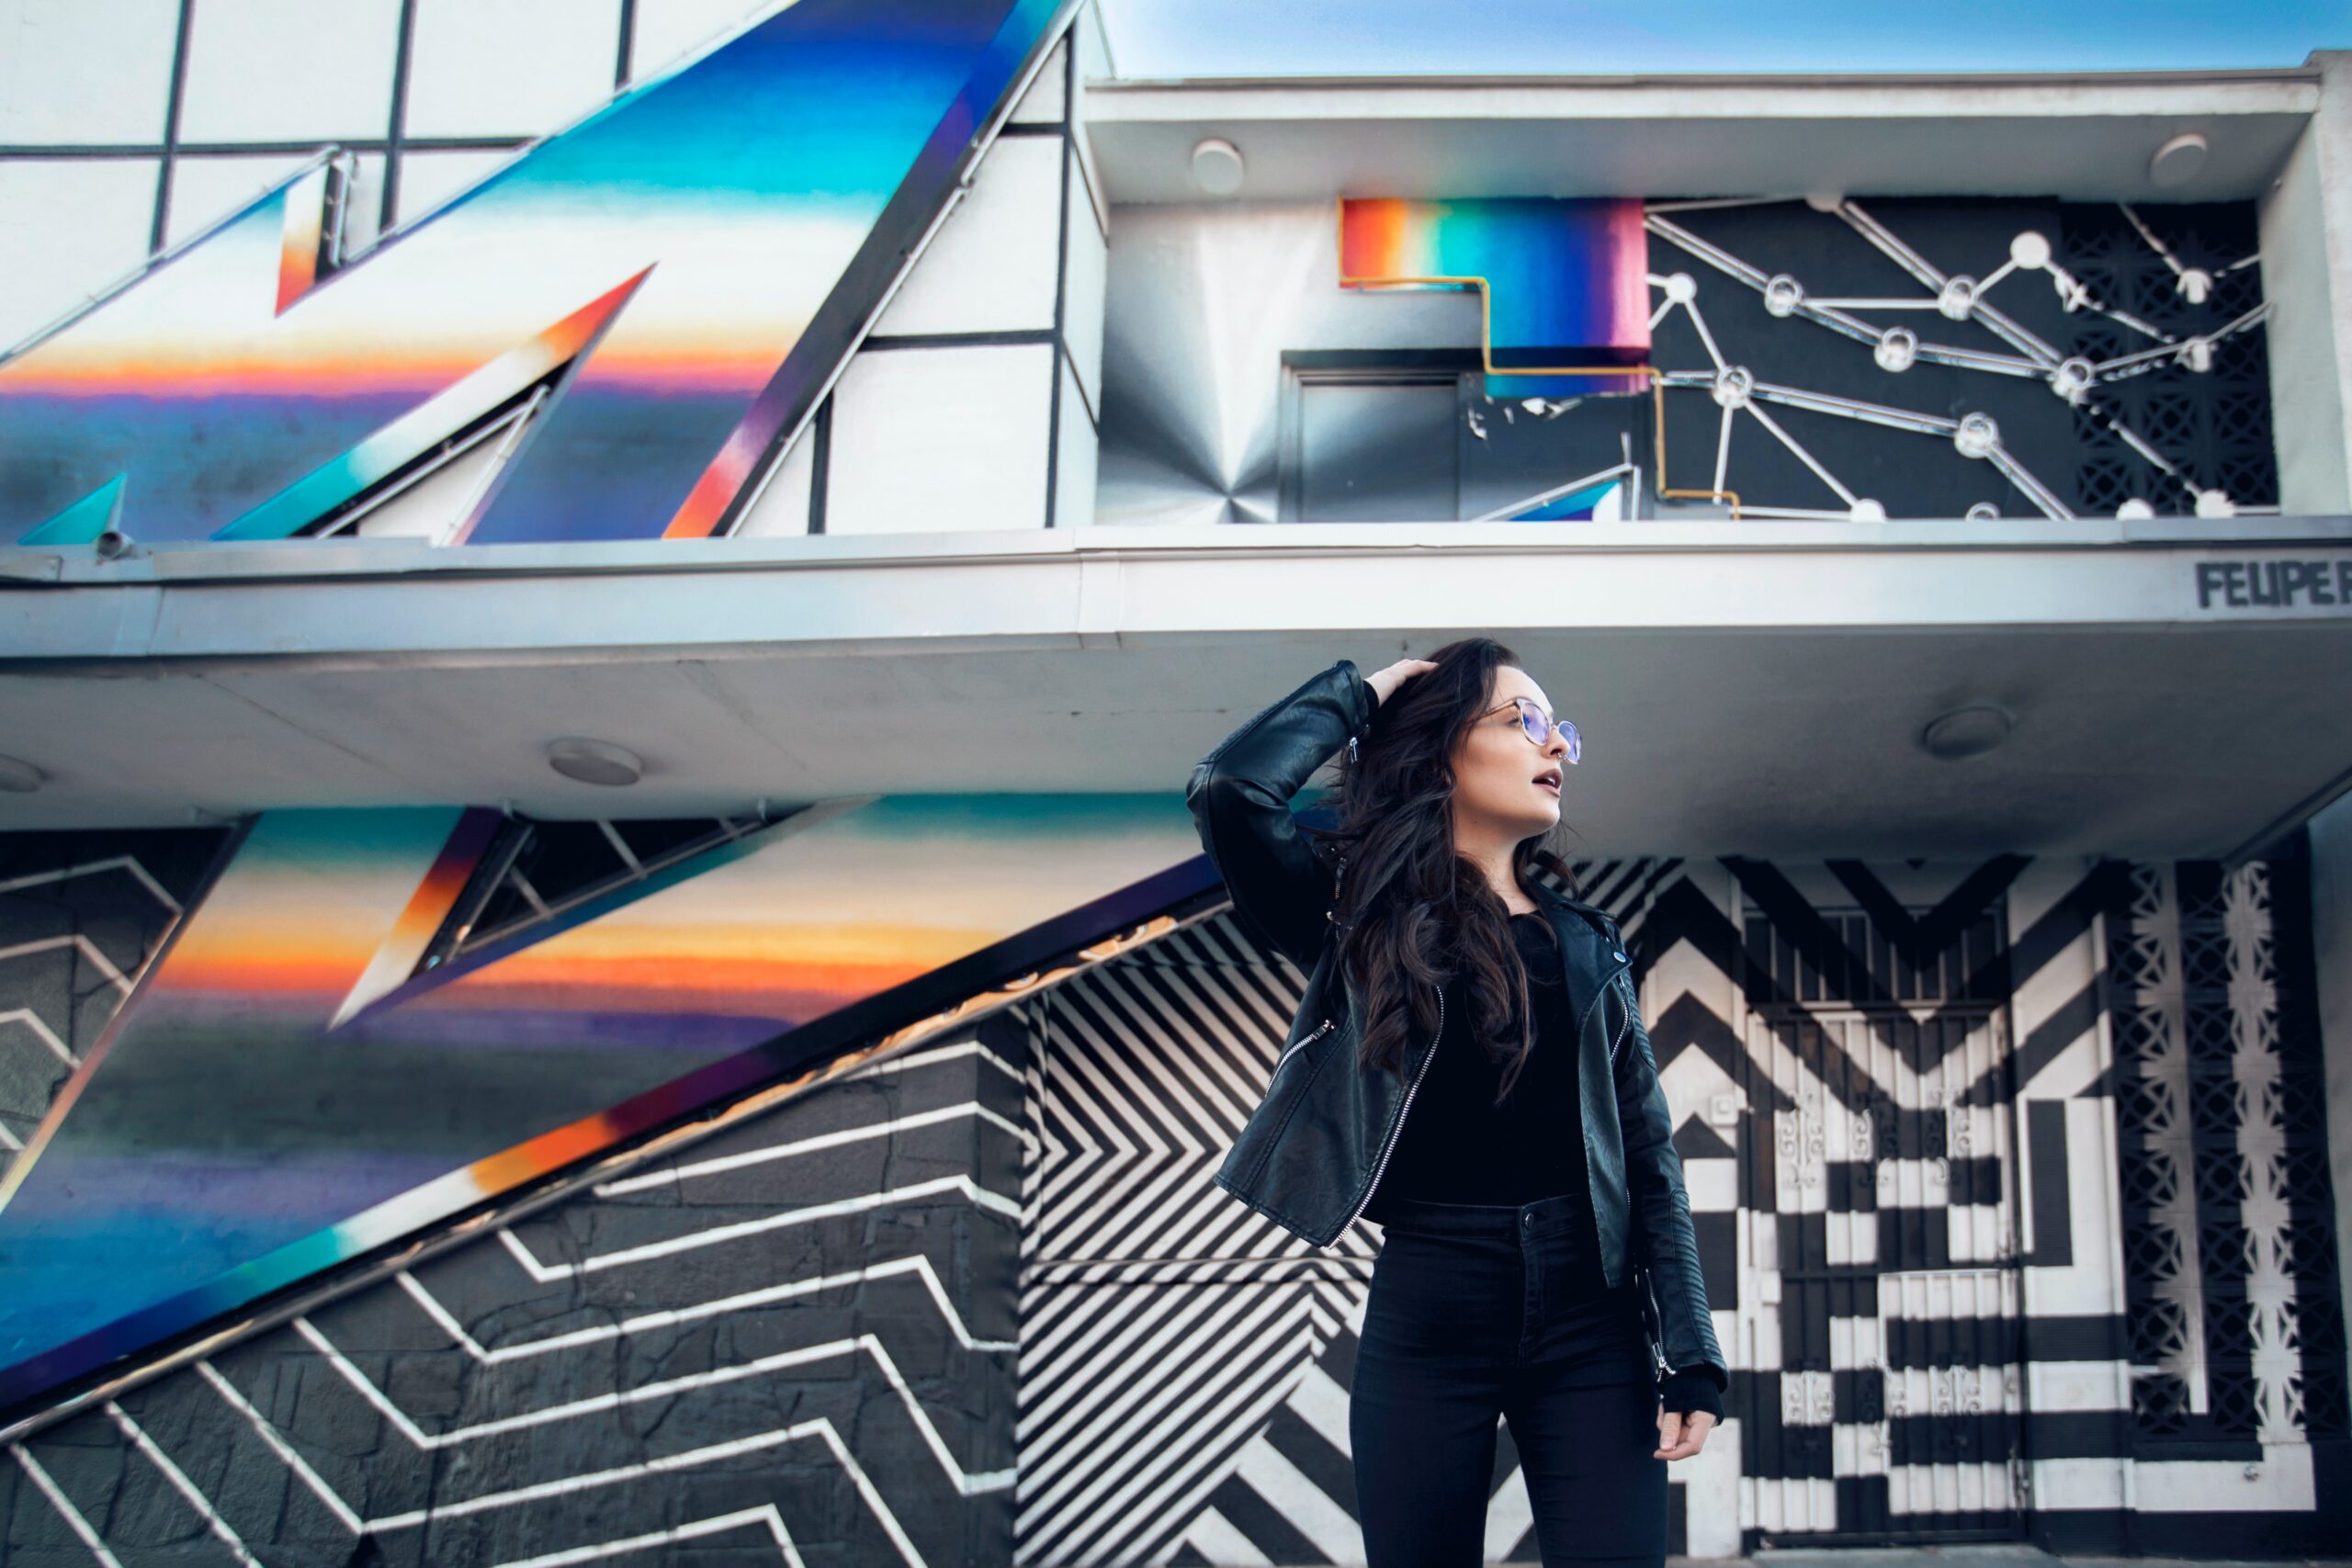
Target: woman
(1530,1204)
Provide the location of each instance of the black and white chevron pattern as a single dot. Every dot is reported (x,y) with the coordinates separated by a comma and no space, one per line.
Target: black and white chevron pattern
(80,914)
(793,1340)
(1164,1325)
(1908,1098)
(1894,1085)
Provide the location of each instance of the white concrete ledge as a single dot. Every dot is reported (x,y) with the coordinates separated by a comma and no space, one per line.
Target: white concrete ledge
(2022,95)
(405,602)
(2075,136)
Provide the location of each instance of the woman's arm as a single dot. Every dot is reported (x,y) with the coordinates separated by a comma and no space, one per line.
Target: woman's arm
(1660,1207)
(1239,796)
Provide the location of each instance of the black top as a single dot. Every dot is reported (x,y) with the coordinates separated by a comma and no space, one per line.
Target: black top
(1457,1145)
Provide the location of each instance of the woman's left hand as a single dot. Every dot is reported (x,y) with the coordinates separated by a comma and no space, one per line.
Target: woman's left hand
(1680,1436)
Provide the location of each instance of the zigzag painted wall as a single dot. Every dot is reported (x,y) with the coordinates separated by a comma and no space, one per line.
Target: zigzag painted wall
(795,1338)
(320,1063)
(994,335)
(1901,1090)
(79,914)
(2009,1181)
(706,247)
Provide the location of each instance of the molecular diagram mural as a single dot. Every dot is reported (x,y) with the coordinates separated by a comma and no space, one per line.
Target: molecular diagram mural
(2129,383)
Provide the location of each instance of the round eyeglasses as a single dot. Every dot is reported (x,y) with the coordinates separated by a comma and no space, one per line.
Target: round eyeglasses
(1538,725)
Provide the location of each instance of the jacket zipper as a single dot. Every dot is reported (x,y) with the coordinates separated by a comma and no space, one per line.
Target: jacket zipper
(1623,1030)
(1320,1031)
(1373,1185)
(1607,980)
(1658,1351)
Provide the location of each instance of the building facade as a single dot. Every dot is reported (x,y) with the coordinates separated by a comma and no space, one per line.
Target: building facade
(606,602)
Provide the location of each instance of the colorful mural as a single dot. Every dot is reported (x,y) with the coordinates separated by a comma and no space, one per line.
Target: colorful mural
(686,267)
(285,1092)
(1564,283)
(2009,1178)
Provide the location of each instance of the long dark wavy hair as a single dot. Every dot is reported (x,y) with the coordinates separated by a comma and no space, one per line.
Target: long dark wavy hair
(1413,914)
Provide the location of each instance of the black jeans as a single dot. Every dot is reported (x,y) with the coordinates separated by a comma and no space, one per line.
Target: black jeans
(1481,1312)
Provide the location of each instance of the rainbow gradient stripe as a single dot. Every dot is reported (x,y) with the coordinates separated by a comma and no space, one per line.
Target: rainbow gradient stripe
(687,266)
(308,243)
(1565,281)
(1578,505)
(266,1105)
(429,908)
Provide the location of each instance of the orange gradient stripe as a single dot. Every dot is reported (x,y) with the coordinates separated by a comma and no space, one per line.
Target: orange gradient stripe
(259,967)
(530,1161)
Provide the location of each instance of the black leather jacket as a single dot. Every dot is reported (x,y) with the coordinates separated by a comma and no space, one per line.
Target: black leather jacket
(1311,1154)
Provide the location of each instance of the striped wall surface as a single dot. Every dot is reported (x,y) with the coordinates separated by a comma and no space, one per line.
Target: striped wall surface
(1896,1087)
(80,913)
(981,1302)
(792,1342)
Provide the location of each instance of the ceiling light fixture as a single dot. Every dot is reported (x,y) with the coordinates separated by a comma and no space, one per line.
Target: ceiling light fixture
(1968,731)
(1216,165)
(20,777)
(595,761)
(2178,160)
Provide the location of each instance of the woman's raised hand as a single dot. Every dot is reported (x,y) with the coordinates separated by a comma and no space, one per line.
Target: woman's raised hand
(1383,682)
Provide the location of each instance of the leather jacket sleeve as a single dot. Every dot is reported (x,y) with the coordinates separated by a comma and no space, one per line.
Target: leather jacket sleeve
(1692,1389)
(1239,796)
(1660,1207)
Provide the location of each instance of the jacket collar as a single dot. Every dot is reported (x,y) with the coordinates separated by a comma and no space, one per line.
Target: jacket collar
(1560,900)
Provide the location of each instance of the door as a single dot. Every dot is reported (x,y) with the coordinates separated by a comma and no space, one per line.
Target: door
(1881,1248)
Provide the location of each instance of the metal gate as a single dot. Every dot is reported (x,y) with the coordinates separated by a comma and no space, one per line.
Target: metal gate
(1882,1245)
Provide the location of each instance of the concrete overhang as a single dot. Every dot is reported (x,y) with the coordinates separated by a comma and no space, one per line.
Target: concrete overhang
(1756,687)
(2073,137)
